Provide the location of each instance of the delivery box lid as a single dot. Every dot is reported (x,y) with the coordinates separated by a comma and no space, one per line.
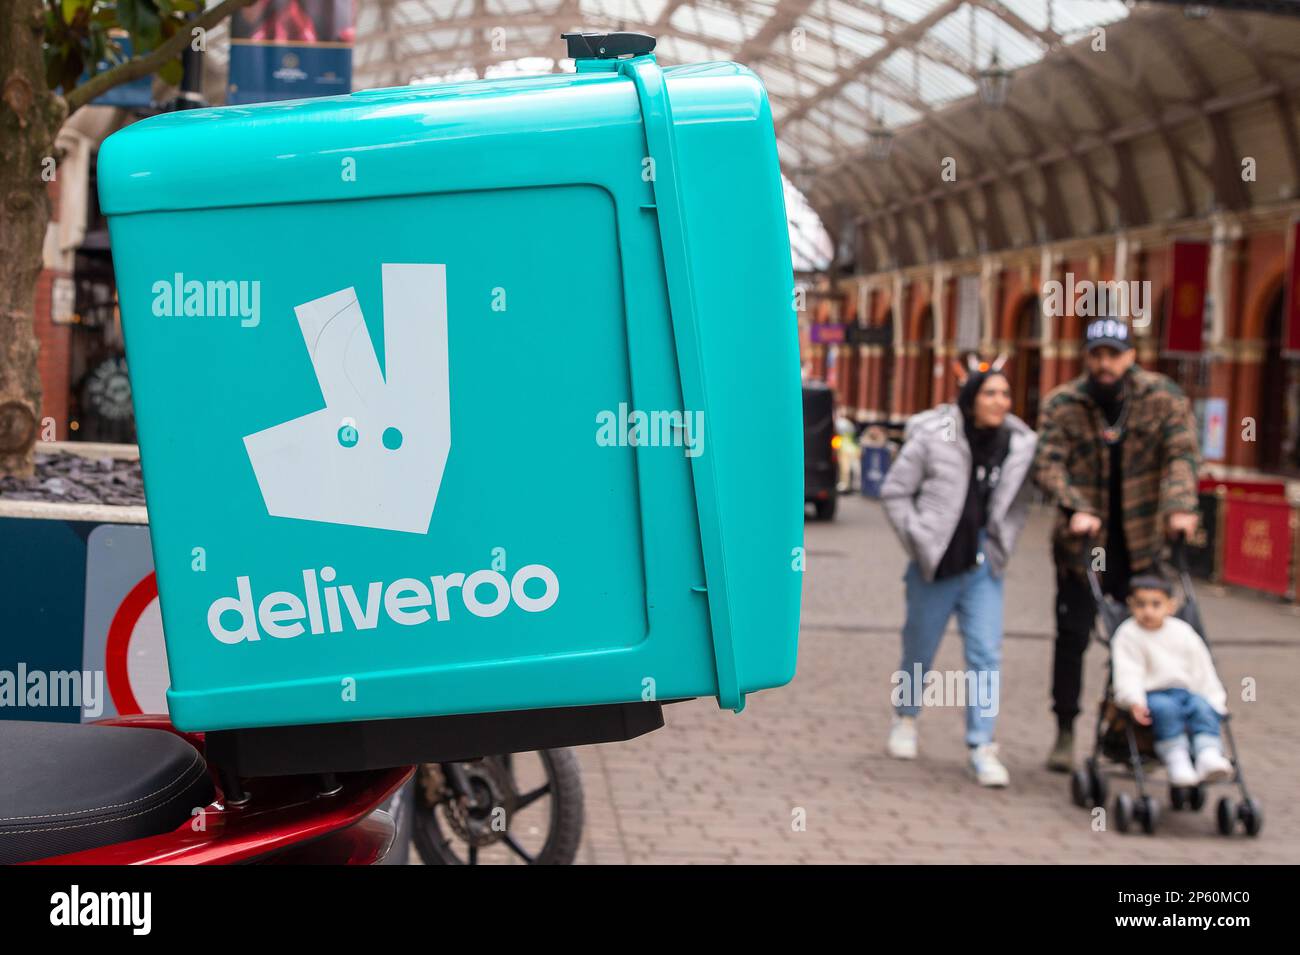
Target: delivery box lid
(395,141)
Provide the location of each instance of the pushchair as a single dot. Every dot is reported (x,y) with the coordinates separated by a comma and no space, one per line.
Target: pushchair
(1125,748)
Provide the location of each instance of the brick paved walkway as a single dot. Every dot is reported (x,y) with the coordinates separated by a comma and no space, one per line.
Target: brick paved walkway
(716,787)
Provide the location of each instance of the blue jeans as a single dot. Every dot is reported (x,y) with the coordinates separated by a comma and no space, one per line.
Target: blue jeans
(1178,712)
(976,597)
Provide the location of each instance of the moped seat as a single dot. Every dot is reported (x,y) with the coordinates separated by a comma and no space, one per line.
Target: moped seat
(66,787)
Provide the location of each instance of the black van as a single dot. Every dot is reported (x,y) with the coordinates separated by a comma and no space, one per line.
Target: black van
(821,466)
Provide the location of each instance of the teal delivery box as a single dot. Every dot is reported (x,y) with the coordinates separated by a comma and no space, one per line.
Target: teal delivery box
(468,398)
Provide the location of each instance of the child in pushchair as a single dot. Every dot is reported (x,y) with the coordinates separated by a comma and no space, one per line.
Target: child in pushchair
(1162,674)
(1163,690)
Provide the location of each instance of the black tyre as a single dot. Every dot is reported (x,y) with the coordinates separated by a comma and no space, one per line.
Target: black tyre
(1227,816)
(1148,813)
(523,808)
(1178,798)
(1098,789)
(1252,817)
(1123,812)
(1080,791)
(826,509)
(1196,798)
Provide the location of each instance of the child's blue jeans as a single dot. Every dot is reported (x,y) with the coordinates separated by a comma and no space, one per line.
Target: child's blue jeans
(1178,712)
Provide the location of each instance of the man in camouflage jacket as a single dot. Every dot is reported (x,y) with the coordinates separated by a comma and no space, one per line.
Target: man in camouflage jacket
(1117,451)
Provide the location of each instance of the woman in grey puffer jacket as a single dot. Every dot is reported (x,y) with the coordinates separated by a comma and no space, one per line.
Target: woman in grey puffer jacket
(957,498)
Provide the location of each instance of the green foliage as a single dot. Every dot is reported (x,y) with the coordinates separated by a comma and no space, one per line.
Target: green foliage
(80,35)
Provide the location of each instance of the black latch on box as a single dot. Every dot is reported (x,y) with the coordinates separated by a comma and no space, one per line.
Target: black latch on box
(608,46)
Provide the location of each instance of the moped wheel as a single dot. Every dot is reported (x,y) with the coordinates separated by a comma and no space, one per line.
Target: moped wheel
(525,808)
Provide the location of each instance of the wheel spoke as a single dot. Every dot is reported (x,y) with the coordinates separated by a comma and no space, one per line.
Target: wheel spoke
(527,799)
(473,855)
(518,849)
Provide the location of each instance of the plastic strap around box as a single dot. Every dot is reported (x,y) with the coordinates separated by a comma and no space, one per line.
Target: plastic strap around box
(657,119)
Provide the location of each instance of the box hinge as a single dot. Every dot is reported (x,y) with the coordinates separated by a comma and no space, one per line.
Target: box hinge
(657,118)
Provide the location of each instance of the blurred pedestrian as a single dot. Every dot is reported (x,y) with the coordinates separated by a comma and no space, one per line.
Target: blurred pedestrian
(850,456)
(1117,452)
(956,498)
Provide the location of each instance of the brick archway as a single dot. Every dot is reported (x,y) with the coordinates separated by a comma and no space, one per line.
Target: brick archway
(923,391)
(1025,370)
(1254,323)
(1278,394)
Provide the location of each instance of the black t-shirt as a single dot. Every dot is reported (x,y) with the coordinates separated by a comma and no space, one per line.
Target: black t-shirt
(989,448)
(1117,572)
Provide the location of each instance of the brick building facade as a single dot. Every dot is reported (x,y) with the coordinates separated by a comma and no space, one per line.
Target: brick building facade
(904,361)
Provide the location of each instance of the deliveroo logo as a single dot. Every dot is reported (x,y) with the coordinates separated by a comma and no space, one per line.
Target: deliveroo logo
(374,455)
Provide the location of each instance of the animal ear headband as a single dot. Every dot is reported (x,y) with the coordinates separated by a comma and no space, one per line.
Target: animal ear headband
(973,364)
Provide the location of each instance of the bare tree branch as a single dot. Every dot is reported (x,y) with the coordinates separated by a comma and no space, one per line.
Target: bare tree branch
(152,61)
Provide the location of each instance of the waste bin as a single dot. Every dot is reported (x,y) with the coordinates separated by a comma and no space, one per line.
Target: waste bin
(349,319)
(876,460)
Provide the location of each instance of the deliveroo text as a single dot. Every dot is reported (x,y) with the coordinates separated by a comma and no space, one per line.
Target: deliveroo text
(284,614)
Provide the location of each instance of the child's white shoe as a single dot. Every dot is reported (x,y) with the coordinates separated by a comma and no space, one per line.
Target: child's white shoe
(902,738)
(1212,766)
(1178,763)
(987,768)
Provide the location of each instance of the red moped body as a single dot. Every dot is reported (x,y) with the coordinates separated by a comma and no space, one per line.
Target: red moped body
(285,820)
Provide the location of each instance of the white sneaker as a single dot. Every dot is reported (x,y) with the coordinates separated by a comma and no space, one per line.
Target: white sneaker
(902,738)
(1178,763)
(1212,766)
(986,767)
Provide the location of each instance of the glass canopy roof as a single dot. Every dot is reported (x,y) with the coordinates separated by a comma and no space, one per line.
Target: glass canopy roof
(834,69)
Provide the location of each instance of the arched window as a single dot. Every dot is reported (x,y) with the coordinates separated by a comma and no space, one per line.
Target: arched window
(1279,398)
(1029,360)
(924,390)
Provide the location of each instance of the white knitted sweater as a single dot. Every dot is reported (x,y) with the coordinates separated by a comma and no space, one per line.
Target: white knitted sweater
(1173,656)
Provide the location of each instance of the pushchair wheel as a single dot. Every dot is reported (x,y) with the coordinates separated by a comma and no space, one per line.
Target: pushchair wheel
(1123,812)
(1196,798)
(1148,813)
(1079,793)
(1178,797)
(1227,816)
(1097,787)
(1252,817)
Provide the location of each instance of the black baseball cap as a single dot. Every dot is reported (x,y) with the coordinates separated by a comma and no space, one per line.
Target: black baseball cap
(1108,333)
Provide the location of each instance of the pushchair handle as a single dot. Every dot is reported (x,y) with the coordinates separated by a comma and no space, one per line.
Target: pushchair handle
(1178,552)
(1090,573)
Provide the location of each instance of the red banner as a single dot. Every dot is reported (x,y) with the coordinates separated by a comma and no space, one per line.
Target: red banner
(1257,544)
(1185,303)
(1208,485)
(1291,330)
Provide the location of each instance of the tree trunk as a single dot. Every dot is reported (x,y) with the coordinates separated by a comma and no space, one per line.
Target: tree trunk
(30,117)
